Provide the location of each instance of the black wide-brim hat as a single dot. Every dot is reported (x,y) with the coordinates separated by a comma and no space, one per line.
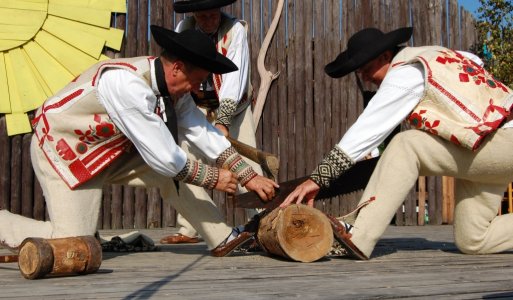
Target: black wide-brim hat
(185,6)
(364,46)
(194,47)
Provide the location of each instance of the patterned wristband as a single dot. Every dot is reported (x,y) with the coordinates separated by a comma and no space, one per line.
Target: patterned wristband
(199,174)
(237,165)
(332,166)
(225,112)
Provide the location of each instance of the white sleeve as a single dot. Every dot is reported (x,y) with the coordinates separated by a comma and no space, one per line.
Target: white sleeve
(397,96)
(197,130)
(234,83)
(179,26)
(472,57)
(131,103)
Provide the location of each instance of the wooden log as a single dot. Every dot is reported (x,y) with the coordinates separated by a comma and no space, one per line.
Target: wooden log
(298,232)
(59,257)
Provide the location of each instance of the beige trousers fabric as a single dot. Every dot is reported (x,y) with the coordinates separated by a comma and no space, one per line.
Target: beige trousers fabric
(242,129)
(481,179)
(75,212)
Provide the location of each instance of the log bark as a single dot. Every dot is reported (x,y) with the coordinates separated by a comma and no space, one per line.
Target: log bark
(298,232)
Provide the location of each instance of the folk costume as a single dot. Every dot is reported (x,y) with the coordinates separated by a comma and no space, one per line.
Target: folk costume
(224,98)
(109,126)
(459,115)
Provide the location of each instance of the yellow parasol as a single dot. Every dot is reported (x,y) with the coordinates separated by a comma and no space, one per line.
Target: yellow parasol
(44,44)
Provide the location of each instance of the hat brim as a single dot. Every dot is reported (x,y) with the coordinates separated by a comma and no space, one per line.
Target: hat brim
(167,39)
(344,64)
(192,6)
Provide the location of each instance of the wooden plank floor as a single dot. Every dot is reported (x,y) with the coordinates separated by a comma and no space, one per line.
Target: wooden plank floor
(409,262)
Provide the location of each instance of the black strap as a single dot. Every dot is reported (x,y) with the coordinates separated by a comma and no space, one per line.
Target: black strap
(170,111)
(164,93)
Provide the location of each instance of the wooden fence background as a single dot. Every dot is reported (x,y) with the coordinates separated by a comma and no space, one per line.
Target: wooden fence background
(306,111)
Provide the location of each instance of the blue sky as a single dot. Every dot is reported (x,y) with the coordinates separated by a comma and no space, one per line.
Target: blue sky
(470,5)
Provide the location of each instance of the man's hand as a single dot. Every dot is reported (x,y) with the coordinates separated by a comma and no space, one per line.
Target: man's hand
(227,182)
(263,186)
(307,189)
(223,129)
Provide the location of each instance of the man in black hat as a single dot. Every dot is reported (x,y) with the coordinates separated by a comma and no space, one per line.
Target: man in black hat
(460,117)
(109,126)
(225,98)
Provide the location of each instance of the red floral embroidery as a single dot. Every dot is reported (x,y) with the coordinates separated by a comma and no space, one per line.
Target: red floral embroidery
(105,129)
(430,126)
(455,140)
(464,77)
(64,150)
(415,120)
(81,148)
(101,131)
(419,122)
(470,70)
(84,136)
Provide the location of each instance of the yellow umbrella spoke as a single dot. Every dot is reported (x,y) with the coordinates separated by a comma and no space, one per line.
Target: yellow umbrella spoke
(5,106)
(86,15)
(25,82)
(112,36)
(111,5)
(44,44)
(88,43)
(33,103)
(52,72)
(40,5)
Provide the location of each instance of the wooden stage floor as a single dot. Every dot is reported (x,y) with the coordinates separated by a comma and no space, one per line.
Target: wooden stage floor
(409,262)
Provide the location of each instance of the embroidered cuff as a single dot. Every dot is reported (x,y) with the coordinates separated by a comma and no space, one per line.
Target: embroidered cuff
(332,166)
(199,174)
(225,112)
(237,165)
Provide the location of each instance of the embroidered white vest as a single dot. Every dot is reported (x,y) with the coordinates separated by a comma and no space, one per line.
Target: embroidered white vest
(462,102)
(223,41)
(74,130)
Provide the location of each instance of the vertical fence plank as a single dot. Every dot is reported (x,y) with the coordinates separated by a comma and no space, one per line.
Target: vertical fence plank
(116,207)
(106,208)
(5,166)
(281,85)
(421,216)
(27,179)
(141,210)
(39,201)
(154,210)
(16,146)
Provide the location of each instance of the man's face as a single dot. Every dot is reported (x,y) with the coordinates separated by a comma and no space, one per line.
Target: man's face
(208,20)
(375,70)
(180,80)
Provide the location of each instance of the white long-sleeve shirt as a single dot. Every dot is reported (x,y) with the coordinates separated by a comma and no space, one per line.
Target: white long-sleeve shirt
(398,94)
(234,83)
(131,105)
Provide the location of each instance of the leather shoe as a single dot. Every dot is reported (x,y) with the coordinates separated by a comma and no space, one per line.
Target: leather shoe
(342,236)
(225,248)
(179,238)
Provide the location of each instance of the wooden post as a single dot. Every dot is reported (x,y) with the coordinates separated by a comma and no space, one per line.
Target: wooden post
(422,201)
(298,232)
(448,200)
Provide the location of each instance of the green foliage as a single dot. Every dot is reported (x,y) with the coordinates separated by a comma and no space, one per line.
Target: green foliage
(495,38)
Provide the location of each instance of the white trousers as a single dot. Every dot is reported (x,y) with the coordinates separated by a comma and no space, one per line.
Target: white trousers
(242,129)
(481,179)
(75,212)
